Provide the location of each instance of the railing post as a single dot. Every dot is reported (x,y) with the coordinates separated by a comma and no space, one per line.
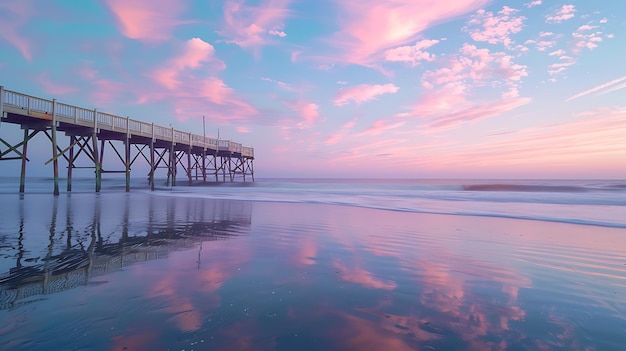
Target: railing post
(95,119)
(1,102)
(75,115)
(28,104)
(152,132)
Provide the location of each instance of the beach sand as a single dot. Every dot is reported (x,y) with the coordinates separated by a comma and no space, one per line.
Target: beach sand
(151,272)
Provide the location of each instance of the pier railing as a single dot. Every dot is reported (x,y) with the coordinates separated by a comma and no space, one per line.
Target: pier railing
(61,112)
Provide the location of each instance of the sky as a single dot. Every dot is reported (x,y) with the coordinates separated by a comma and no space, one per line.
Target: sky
(342,88)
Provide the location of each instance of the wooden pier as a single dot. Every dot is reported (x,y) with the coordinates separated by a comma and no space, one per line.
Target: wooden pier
(90,132)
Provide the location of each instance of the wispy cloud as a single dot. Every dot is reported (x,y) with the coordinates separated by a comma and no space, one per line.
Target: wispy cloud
(381,126)
(54,88)
(307,111)
(343,131)
(195,68)
(599,133)
(446,102)
(250,26)
(476,113)
(362,93)
(559,67)
(533,3)
(370,27)
(18,12)
(147,20)
(282,85)
(565,13)
(602,88)
(194,54)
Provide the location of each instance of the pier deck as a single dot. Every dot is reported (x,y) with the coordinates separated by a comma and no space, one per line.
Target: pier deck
(91,131)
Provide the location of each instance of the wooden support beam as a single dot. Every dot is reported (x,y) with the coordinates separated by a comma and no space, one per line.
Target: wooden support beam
(10,149)
(189,161)
(24,160)
(204,165)
(60,153)
(251,167)
(13,148)
(127,162)
(70,165)
(94,140)
(139,153)
(173,161)
(152,165)
(55,163)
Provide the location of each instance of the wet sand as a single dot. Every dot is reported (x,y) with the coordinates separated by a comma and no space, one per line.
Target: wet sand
(149,272)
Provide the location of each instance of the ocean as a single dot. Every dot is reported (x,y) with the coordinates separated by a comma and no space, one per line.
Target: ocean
(314,264)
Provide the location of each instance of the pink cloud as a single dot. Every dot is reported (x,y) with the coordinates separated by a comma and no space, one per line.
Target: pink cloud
(306,110)
(448,98)
(102,90)
(598,134)
(362,93)
(195,69)
(412,54)
(477,65)
(54,88)
(381,126)
(494,29)
(565,62)
(563,14)
(335,138)
(477,113)
(446,101)
(533,3)
(146,20)
(278,33)
(584,39)
(369,27)
(559,52)
(253,26)
(282,85)
(243,129)
(597,88)
(18,14)
(211,96)
(586,27)
(194,53)
(544,45)
(613,88)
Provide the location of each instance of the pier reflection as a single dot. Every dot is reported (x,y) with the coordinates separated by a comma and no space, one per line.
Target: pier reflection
(90,236)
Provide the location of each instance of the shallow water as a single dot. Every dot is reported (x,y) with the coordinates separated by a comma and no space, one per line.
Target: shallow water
(172,270)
